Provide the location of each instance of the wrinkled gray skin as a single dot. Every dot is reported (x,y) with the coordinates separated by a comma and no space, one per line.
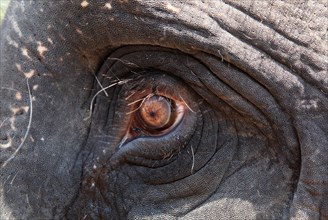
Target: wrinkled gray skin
(254,142)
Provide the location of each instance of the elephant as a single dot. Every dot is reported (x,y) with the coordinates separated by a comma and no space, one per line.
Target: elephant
(130,109)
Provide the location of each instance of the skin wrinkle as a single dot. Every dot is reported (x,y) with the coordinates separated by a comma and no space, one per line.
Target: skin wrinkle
(105,111)
(272,109)
(249,13)
(308,145)
(223,95)
(259,41)
(188,190)
(282,9)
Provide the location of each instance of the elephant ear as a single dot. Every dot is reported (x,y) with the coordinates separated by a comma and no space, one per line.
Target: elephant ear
(246,79)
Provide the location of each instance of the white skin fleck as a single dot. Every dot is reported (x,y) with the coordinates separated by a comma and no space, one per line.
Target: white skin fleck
(9,140)
(108,6)
(50,40)
(25,108)
(8,144)
(309,104)
(42,139)
(35,87)
(84,4)
(16,110)
(79,31)
(19,67)
(25,53)
(18,96)
(12,121)
(301,214)
(41,49)
(28,75)
(172,8)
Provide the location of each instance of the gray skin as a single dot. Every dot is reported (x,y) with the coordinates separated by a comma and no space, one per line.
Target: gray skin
(251,75)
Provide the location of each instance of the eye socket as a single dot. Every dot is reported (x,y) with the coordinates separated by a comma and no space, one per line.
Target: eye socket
(155,115)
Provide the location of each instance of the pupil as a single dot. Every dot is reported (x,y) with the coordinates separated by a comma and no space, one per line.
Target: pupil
(153,114)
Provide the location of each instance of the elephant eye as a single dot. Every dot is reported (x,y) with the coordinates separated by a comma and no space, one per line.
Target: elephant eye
(155,115)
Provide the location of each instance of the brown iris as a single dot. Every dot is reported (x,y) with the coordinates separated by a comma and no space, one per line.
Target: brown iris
(155,112)
(155,115)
